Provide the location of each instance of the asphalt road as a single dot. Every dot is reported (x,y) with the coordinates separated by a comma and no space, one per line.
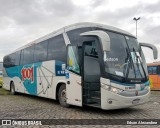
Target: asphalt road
(23,106)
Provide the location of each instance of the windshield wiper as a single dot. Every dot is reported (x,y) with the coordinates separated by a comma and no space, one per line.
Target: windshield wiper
(129,64)
(137,57)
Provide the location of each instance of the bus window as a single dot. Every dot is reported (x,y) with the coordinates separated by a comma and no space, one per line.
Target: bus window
(91,50)
(152,70)
(149,70)
(57,48)
(158,70)
(72,59)
(40,52)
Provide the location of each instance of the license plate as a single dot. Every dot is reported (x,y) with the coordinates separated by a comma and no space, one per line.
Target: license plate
(135,101)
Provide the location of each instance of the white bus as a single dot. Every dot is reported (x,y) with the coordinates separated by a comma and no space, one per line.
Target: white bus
(1,76)
(82,64)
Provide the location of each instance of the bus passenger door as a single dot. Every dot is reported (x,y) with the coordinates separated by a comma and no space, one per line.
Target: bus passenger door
(73,77)
(91,74)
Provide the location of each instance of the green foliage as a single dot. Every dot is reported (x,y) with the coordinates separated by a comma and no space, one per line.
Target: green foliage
(4,92)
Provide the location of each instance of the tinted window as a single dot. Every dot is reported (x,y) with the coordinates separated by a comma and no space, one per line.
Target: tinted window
(1,66)
(17,58)
(72,59)
(22,57)
(91,49)
(27,55)
(149,70)
(117,56)
(74,35)
(12,60)
(8,61)
(57,49)
(152,70)
(40,53)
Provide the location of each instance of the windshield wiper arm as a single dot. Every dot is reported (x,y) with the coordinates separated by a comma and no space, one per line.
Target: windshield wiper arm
(129,59)
(137,57)
(141,64)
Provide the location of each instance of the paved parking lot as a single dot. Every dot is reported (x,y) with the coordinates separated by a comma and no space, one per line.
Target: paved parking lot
(30,107)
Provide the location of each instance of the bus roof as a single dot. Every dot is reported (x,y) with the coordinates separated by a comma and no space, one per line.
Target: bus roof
(72,27)
(153,64)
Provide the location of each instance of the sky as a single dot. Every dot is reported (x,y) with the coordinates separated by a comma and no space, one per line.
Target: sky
(23,21)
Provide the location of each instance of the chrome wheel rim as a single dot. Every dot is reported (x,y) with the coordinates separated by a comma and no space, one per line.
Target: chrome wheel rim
(63,95)
(12,90)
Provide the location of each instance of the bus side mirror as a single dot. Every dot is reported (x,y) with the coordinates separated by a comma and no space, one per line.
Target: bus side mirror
(103,36)
(154,49)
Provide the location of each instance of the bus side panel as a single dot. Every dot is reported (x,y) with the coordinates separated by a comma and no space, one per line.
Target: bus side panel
(158,78)
(38,79)
(49,74)
(13,74)
(6,84)
(6,79)
(154,81)
(28,78)
(46,76)
(59,72)
(154,77)
(158,83)
(57,80)
(45,79)
(18,86)
(17,80)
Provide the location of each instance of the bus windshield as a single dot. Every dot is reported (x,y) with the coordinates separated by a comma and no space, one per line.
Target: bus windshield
(125,58)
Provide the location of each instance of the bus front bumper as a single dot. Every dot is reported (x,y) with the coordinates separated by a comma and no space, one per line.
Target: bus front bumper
(110,100)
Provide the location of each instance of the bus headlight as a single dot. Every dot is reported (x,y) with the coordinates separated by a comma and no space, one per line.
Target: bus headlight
(113,89)
(116,90)
(147,88)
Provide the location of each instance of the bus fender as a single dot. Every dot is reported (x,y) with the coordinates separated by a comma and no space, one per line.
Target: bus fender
(58,85)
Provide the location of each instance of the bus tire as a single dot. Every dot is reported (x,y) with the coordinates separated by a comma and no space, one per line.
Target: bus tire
(62,96)
(12,88)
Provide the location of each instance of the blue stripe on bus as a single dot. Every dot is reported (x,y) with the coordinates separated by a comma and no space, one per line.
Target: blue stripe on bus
(29,84)
(21,71)
(58,68)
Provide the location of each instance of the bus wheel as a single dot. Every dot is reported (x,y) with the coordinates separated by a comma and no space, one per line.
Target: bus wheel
(13,89)
(62,96)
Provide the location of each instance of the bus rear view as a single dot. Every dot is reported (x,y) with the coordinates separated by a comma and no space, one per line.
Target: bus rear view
(82,64)
(154,71)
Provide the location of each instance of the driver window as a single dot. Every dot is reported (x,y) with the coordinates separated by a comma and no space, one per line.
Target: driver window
(72,59)
(91,50)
